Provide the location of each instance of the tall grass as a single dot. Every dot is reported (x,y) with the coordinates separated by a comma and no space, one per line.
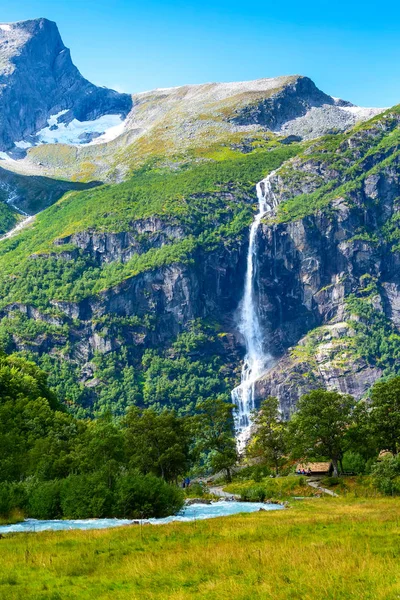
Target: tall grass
(335,549)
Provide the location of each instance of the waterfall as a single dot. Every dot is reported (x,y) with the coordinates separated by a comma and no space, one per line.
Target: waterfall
(13,197)
(256,360)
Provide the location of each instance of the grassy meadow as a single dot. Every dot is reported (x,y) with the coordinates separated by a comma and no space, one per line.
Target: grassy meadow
(336,548)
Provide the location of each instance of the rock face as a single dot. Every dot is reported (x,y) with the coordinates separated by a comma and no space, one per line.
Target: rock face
(38,79)
(291,102)
(309,268)
(109,247)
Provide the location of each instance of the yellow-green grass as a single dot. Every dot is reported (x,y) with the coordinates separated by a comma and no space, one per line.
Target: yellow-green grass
(337,549)
(292,486)
(281,488)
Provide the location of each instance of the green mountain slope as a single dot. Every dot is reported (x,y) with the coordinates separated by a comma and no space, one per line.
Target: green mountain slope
(127,293)
(56,283)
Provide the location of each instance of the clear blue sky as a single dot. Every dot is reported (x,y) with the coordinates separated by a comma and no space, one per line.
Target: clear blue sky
(350,49)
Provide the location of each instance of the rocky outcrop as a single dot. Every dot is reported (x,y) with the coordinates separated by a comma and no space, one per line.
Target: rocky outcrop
(294,100)
(38,79)
(300,110)
(330,364)
(106,247)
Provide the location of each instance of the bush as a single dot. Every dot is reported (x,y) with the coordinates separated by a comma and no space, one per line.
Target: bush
(354,463)
(5,500)
(196,490)
(331,481)
(254,494)
(143,496)
(254,472)
(85,497)
(386,475)
(44,500)
(13,498)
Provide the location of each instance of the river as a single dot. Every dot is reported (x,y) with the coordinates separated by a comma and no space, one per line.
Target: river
(194,512)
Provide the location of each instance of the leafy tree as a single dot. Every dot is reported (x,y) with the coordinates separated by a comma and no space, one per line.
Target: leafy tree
(385,414)
(320,426)
(100,449)
(34,432)
(212,428)
(360,436)
(270,438)
(44,499)
(157,443)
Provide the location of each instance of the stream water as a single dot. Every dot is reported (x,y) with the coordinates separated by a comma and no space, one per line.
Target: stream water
(256,360)
(12,198)
(193,512)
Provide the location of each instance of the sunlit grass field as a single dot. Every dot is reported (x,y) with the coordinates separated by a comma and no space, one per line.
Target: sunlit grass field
(317,549)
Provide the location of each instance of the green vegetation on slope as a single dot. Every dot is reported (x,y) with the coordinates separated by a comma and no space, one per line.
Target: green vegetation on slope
(348,159)
(8,218)
(195,197)
(191,370)
(377,340)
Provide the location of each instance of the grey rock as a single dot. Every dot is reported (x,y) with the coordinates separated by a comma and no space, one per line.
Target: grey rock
(38,79)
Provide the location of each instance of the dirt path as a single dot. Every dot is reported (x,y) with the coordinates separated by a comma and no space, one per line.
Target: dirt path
(218,491)
(316,486)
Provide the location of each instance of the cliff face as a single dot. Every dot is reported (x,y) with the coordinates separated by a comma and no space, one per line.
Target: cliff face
(326,280)
(38,79)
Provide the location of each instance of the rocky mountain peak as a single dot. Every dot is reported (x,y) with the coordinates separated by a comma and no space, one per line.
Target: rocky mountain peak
(39,80)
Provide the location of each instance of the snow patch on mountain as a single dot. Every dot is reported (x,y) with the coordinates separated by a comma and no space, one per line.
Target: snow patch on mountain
(101,130)
(23,145)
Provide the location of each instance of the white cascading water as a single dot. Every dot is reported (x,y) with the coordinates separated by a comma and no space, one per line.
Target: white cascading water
(13,197)
(256,360)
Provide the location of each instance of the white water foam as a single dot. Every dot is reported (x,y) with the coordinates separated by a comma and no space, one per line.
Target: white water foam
(256,360)
(195,512)
(12,197)
(21,225)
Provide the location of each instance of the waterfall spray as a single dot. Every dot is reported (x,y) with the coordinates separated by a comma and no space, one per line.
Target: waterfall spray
(256,360)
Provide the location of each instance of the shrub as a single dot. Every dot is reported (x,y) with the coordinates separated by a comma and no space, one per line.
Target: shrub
(5,499)
(253,472)
(331,481)
(44,500)
(143,496)
(354,463)
(196,490)
(254,494)
(85,496)
(386,475)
